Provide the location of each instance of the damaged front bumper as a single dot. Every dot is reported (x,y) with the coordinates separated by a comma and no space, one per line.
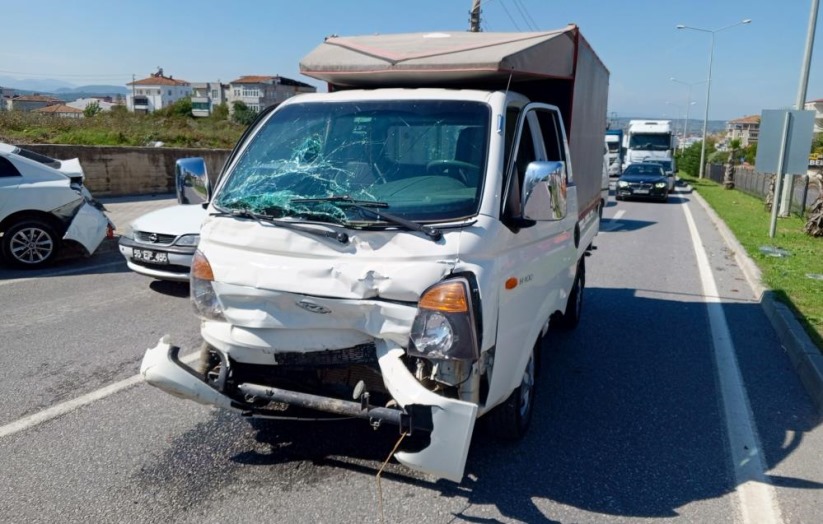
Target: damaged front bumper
(89,227)
(449,421)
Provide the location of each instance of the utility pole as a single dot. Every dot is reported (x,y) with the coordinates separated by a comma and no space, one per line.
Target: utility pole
(800,104)
(132,95)
(474,17)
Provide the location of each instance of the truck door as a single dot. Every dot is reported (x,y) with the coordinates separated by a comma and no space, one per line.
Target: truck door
(539,257)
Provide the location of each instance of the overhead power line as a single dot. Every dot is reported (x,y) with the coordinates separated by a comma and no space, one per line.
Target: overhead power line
(524,12)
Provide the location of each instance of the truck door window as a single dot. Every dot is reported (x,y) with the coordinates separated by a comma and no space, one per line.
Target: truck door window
(524,154)
(552,136)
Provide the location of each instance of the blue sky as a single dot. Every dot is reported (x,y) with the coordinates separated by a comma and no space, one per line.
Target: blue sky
(756,66)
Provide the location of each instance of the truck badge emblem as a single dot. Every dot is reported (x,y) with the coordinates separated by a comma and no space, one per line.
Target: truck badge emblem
(314,308)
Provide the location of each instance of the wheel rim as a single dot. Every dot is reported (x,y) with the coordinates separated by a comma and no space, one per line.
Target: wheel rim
(526,389)
(31,245)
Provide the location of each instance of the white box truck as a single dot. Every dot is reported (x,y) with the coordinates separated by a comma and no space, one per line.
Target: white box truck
(396,248)
(650,141)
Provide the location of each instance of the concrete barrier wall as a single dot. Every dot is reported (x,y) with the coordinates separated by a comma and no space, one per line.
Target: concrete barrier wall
(121,171)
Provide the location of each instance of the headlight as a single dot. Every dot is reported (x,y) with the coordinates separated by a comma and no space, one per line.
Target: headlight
(203,298)
(661,185)
(622,183)
(444,327)
(188,240)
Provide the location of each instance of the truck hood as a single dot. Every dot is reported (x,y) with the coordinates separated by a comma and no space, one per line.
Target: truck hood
(644,155)
(386,264)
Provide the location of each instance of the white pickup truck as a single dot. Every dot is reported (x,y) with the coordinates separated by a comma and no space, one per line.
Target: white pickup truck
(404,240)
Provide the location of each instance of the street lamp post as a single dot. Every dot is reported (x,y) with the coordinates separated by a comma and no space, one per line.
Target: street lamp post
(709,83)
(689,103)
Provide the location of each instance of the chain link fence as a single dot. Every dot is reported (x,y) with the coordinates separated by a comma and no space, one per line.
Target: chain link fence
(757,184)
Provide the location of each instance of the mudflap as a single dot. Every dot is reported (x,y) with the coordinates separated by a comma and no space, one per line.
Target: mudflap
(452,420)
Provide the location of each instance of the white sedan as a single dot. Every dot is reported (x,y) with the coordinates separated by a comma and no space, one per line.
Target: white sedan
(161,243)
(44,204)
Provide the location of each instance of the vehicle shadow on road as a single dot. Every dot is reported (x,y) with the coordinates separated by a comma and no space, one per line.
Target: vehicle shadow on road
(172,289)
(628,425)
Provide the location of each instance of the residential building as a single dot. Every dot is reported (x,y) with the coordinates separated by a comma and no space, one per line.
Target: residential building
(104,103)
(817,107)
(746,129)
(30,102)
(61,110)
(206,96)
(260,92)
(156,92)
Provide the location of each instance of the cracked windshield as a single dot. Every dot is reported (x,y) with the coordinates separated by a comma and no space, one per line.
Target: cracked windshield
(421,161)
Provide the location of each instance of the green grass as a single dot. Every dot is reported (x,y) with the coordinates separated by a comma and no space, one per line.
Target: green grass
(749,220)
(118,129)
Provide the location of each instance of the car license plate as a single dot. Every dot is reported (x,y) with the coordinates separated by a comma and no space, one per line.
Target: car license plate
(641,191)
(147,255)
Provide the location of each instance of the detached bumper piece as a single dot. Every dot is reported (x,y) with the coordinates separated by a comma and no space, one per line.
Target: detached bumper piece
(162,368)
(449,422)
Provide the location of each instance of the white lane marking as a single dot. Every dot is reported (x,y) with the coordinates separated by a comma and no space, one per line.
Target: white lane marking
(611,224)
(71,405)
(757,498)
(61,273)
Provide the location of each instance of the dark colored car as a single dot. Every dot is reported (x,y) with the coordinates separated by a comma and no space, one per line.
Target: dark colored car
(645,180)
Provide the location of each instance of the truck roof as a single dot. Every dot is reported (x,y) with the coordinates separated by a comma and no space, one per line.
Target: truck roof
(650,126)
(444,58)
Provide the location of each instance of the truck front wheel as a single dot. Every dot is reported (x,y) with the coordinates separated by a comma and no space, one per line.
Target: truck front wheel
(511,419)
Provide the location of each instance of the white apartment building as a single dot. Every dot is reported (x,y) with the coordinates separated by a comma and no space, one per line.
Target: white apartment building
(205,96)
(746,129)
(156,92)
(817,107)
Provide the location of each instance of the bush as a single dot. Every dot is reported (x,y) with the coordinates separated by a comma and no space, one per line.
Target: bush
(688,160)
(242,114)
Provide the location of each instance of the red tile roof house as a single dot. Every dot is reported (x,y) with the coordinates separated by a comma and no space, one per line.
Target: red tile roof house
(746,129)
(61,110)
(156,92)
(30,102)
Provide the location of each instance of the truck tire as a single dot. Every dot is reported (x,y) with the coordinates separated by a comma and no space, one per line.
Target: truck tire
(30,243)
(510,420)
(574,307)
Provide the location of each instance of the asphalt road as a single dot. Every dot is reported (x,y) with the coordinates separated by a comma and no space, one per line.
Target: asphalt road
(633,418)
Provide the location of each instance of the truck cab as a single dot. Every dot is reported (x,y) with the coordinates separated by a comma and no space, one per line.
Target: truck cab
(395,254)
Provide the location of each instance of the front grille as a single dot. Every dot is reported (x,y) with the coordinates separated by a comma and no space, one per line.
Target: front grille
(362,354)
(168,268)
(146,236)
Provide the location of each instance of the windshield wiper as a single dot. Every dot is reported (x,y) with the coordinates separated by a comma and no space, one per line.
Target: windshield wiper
(262,218)
(375,208)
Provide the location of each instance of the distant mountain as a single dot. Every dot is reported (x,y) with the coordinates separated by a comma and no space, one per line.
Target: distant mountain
(99,89)
(35,85)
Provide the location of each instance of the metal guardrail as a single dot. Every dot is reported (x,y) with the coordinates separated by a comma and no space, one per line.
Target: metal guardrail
(756,184)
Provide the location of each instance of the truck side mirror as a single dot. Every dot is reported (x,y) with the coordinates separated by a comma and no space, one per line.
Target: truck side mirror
(544,191)
(192,181)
